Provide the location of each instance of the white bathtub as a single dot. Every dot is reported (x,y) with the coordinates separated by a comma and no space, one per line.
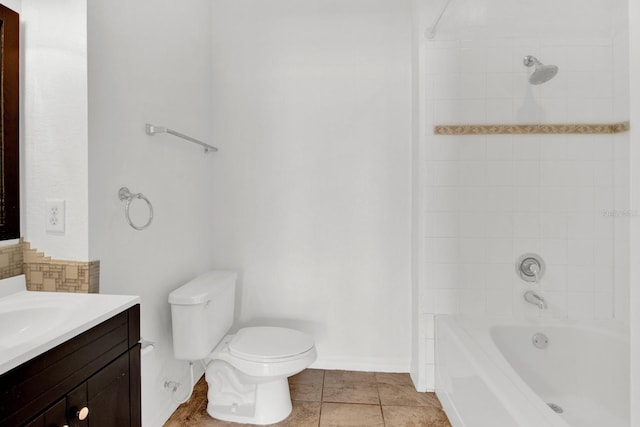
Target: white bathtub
(490,374)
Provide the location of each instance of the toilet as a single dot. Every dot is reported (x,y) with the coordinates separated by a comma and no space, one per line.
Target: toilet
(247,371)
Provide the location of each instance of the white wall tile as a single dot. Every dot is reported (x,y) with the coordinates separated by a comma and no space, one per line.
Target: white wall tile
(580,278)
(446,250)
(528,200)
(526,174)
(501,276)
(499,303)
(554,250)
(473,302)
(557,305)
(474,276)
(498,174)
(526,147)
(472,86)
(555,278)
(530,193)
(499,250)
(500,147)
(580,252)
(580,305)
(472,148)
(580,225)
(500,225)
(526,225)
(603,306)
(473,251)
(553,226)
(441,224)
(473,173)
(443,276)
(499,111)
(473,224)
(446,301)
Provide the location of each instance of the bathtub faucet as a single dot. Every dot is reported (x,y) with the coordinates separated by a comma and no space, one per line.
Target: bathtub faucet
(534,298)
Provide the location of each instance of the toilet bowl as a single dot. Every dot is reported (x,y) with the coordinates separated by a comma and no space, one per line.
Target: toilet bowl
(247,371)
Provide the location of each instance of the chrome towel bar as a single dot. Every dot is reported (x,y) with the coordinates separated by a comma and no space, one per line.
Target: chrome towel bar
(152,130)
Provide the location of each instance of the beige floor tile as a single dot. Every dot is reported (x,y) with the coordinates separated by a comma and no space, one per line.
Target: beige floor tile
(393,378)
(350,399)
(348,415)
(304,414)
(187,414)
(341,377)
(414,416)
(405,395)
(308,376)
(351,393)
(306,392)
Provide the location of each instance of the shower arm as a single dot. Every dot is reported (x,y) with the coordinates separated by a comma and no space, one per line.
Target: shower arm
(431,32)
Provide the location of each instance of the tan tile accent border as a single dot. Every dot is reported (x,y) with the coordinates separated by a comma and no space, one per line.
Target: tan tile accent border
(45,274)
(552,129)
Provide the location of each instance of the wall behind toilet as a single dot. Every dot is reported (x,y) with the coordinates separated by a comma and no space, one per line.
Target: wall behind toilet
(312,108)
(149,62)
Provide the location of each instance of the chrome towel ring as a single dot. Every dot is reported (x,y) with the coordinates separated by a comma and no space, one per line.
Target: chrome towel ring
(125,194)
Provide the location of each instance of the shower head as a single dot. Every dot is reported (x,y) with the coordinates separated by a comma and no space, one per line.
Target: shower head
(542,73)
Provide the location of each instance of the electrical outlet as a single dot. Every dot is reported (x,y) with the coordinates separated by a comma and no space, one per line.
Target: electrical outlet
(55,215)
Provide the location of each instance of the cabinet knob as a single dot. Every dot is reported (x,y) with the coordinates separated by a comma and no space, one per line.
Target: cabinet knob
(80,414)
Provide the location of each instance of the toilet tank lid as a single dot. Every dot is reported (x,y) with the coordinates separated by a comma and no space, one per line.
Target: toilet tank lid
(203,288)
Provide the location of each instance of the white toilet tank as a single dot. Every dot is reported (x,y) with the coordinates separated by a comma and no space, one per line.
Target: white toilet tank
(202,313)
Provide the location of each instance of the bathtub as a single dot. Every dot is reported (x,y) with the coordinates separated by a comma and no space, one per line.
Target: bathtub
(489,372)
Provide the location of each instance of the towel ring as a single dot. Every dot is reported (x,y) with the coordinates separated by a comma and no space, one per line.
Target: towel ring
(125,194)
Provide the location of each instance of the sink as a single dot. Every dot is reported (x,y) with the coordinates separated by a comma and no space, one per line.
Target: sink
(32,322)
(25,322)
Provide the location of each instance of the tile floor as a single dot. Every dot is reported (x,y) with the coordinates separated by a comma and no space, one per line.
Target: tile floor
(337,399)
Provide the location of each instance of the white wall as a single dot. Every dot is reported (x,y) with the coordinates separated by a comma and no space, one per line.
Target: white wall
(312,101)
(634,55)
(15,5)
(150,62)
(54,123)
(491,198)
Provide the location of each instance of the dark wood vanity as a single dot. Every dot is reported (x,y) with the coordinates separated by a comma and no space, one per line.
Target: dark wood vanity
(91,380)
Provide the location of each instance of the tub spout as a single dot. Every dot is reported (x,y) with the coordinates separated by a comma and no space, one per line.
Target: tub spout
(535,299)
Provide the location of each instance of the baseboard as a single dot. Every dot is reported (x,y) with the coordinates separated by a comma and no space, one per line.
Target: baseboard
(364,364)
(419,380)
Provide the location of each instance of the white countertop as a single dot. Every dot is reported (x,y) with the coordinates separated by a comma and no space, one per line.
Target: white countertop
(33,322)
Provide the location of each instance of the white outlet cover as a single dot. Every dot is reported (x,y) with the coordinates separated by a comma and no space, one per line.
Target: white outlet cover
(54,215)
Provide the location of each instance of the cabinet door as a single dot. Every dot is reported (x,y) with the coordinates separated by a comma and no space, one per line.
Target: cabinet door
(56,416)
(108,395)
(77,407)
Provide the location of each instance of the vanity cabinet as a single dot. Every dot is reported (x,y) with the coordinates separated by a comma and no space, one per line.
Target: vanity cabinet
(92,380)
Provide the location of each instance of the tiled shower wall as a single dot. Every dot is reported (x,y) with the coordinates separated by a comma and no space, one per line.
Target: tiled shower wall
(490,199)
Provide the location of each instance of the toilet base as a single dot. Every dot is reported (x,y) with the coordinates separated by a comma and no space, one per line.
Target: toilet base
(234,400)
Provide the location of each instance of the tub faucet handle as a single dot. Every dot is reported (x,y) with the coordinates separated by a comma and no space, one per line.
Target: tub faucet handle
(530,267)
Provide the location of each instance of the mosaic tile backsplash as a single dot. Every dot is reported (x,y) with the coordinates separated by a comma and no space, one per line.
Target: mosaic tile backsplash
(11,261)
(45,274)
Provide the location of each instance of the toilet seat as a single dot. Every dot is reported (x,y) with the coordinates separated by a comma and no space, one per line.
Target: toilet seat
(266,351)
(269,344)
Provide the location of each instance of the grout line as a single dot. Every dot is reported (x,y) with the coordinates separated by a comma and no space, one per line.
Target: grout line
(324,373)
